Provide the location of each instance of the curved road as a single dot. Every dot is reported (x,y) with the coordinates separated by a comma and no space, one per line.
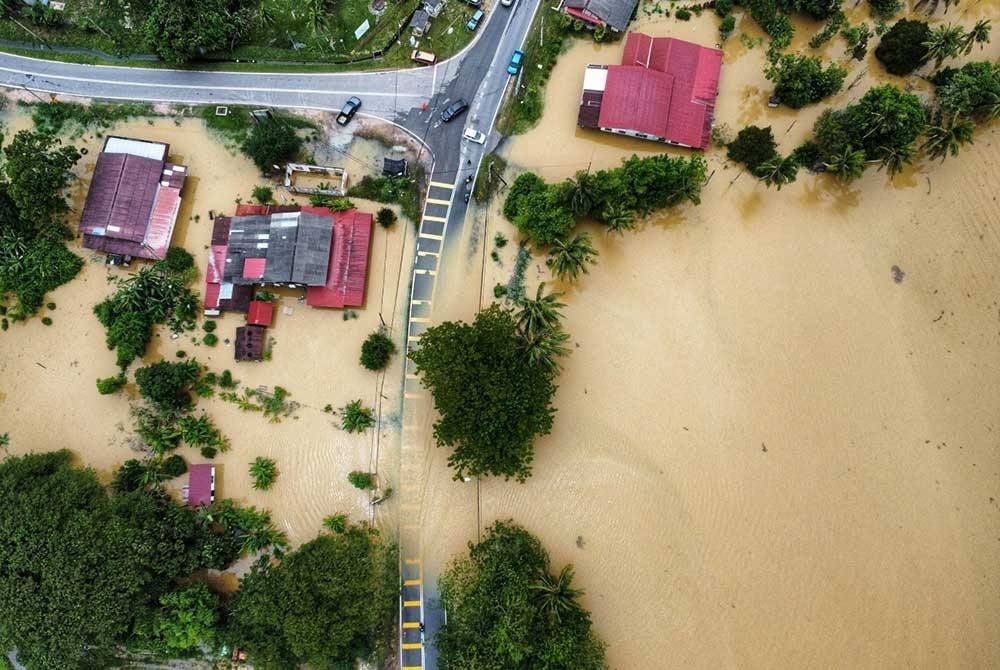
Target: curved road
(409,98)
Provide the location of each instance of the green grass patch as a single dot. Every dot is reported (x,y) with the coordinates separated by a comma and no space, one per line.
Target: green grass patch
(236,125)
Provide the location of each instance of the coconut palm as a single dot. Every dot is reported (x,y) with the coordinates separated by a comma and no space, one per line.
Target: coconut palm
(535,317)
(556,595)
(618,218)
(979,34)
(778,171)
(847,165)
(944,42)
(569,259)
(894,158)
(581,194)
(947,137)
(687,188)
(549,346)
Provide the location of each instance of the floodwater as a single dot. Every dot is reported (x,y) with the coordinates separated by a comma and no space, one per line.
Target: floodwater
(50,400)
(777,434)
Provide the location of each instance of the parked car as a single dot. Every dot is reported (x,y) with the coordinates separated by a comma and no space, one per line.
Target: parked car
(474,135)
(474,21)
(515,62)
(425,57)
(349,109)
(453,110)
(506,3)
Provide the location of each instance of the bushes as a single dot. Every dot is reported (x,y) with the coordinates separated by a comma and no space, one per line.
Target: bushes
(211,339)
(263,194)
(399,190)
(683,14)
(271,143)
(971,91)
(109,385)
(902,49)
(386,217)
(263,471)
(727,27)
(801,80)
(753,146)
(167,385)
(885,9)
(356,418)
(177,261)
(772,20)
(173,466)
(361,480)
(376,351)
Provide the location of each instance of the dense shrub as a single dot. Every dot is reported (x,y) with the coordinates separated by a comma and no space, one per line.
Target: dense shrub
(168,385)
(386,217)
(727,26)
(902,49)
(271,143)
(109,385)
(801,80)
(376,350)
(177,260)
(173,466)
(885,9)
(361,480)
(209,326)
(683,14)
(211,339)
(723,7)
(970,91)
(263,194)
(753,146)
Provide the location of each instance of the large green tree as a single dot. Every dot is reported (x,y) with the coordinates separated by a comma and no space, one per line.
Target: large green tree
(903,49)
(38,170)
(179,30)
(492,401)
(506,611)
(971,91)
(271,143)
(802,80)
(325,605)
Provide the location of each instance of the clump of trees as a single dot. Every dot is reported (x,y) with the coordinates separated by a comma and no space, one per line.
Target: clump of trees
(547,213)
(972,91)
(376,350)
(271,143)
(33,231)
(493,397)
(755,147)
(881,127)
(110,564)
(543,625)
(180,30)
(327,604)
(361,480)
(802,80)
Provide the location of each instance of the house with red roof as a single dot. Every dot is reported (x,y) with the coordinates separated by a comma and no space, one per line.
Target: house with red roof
(313,248)
(133,200)
(664,90)
(200,489)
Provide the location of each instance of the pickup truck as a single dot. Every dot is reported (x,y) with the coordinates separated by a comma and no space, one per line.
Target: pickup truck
(349,109)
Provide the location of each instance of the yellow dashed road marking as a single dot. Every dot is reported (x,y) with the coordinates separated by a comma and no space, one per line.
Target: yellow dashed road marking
(435,201)
(439,184)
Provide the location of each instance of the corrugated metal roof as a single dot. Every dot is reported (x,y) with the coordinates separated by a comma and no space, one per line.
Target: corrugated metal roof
(261,313)
(346,283)
(201,484)
(142,148)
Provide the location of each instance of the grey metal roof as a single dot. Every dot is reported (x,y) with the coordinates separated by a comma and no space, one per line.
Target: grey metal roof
(295,246)
(421,19)
(615,13)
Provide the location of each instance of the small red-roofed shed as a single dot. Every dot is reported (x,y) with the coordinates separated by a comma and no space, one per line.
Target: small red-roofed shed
(261,313)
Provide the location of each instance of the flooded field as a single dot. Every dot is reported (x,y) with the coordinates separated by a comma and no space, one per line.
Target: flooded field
(777,435)
(50,401)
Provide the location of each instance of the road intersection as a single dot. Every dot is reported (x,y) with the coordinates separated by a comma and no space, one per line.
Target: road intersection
(412,100)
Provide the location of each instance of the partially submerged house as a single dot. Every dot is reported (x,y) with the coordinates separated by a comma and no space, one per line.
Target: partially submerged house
(250,343)
(133,201)
(313,248)
(200,489)
(611,14)
(664,90)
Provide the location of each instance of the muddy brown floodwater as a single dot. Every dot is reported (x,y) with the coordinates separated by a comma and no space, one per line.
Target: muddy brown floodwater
(50,401)
(776,443)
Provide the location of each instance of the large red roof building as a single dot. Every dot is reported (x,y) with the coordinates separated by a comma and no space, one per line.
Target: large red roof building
(664,90)
(314,248)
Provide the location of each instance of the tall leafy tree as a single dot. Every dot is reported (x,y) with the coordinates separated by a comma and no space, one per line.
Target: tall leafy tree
(944,42)
(802,80)
(778,171)
(972,91)
(271,143)
(38,170)
(492,402)
(186,620)
(325,605)
(507,612)
(902,49)
(180,30)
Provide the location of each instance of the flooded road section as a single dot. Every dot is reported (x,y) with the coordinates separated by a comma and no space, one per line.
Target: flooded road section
(50,400)
(776,443)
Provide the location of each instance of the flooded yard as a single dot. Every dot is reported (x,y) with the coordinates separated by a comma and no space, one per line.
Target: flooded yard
(50,400)
(776,436)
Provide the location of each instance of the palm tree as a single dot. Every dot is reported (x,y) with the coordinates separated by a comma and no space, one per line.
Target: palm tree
(537,316)
(944,42)
(547,347)
(568,260)
(581,195)
(618,218)
(979,34)
(265,14)
(847,165)
(778,171)
(894,158)
(556,595)
(947,137)
(316,11)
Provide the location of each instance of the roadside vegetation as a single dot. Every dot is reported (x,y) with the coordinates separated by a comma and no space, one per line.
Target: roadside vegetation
(543,625)
(34,258)
(489,179)
(403,191)
(376,350)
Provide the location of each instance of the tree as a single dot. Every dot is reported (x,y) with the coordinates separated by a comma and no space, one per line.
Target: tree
(263,194)
(361,480)
(179,30)
(526,184)
(356,418)
(177,261)
(536,317)
(847,165)
(263,471)
(168,385)
(569,259)
(186,620)
(581,192)
(947,136)
(173,466)
(376,350)
(506,611)
(491,401)
(543,218)
(386,217)
(753,146)
(902,49)
(885,9)
(979,34)
(324,605)
(801,80)
(893,159)
(336,523)
(944,42)
(271,143)
(38,170)
(108,385)
(778,171)
(972,91)
(617,218)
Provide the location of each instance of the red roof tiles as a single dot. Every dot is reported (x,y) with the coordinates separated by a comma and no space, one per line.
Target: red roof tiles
(348,272)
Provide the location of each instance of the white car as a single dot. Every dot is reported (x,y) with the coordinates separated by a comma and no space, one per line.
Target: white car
(506,3)
(474,135)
